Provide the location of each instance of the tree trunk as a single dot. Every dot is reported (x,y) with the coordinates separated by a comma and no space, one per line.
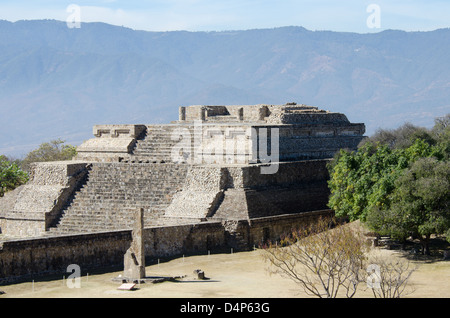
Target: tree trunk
(425,245)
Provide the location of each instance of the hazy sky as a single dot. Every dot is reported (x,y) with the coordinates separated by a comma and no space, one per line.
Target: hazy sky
(213,15)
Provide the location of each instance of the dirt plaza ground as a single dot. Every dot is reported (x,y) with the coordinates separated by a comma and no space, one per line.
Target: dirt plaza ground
(229,275)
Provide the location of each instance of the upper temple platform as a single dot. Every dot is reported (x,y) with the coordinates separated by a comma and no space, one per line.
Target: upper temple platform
(214,163)
(226,135)
(290,113)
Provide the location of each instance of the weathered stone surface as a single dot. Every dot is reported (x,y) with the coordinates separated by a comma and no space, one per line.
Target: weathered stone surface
(226,134)
(198,184)
(200,196)
(222,187)
(134,258)
(199,274)
(111,142)
(114,191)
(31,209)
(31,257)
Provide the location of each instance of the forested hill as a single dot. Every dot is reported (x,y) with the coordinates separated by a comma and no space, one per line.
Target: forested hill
(57,82)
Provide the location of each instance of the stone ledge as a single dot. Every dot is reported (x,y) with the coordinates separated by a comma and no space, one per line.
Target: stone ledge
(118,131)
(116,145)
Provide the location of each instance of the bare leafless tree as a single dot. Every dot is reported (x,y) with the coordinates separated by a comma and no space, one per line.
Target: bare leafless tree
(323,261)
(388,276)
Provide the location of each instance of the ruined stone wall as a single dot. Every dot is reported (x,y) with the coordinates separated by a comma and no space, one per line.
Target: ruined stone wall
(231,141)
(271,228)
(289,173)
(246,113)
(31,258)
(27,258)
(31,208)
(296,187)
(306,141)
(201,192)
(7,203)
(240,192)
(317,118)
(111,142)
(115,190)
(183,239)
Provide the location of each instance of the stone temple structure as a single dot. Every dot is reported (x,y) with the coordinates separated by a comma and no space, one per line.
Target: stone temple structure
(211,171)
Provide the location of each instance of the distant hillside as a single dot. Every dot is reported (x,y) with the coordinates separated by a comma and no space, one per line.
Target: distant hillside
(59,82)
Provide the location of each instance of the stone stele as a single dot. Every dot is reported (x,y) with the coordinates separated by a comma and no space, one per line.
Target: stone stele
(134,258)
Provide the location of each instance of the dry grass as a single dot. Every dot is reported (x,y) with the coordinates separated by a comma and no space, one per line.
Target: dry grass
(236,275)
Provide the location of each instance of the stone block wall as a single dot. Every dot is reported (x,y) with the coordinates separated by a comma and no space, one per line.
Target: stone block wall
(296,187)
(31,208)
(34,257)
(243,192)
(225,143)
(114,191)
(243,113)
(201,192)
(169,193)
(168,241)
(271,228)
(288,174)
(110,143)
(27,259)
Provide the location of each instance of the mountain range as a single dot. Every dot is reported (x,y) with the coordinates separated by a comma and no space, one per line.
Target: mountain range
(57,82)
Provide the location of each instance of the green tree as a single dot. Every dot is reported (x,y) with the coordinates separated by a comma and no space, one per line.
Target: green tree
(401,137)
(420,203)
(11,175)
(363,180)
(55,150)
(371,184)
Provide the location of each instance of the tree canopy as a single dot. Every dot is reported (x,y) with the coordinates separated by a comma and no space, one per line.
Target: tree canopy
(55,150)
(11,175)
(15,172)
(419,205)
(397,181)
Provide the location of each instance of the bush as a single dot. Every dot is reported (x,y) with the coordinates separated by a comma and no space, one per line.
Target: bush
(11,175)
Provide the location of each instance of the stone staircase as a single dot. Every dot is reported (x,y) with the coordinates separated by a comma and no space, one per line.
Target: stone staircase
(114,191)
(156,145)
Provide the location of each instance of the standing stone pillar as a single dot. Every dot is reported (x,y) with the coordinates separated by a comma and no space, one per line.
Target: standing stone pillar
(182,113)
(134,259)
(241,114)
(262,112)
(202,113)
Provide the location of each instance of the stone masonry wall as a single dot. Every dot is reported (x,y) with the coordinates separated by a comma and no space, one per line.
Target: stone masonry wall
(27,258)
(240,192)
(30,258)
(114,191)
(33,207)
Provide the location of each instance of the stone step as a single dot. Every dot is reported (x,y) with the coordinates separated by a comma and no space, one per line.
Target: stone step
(132,190)
(113,192)
(157,144)
(92,227)
(223,118)
(74,212)
(126,199)
(97,223)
